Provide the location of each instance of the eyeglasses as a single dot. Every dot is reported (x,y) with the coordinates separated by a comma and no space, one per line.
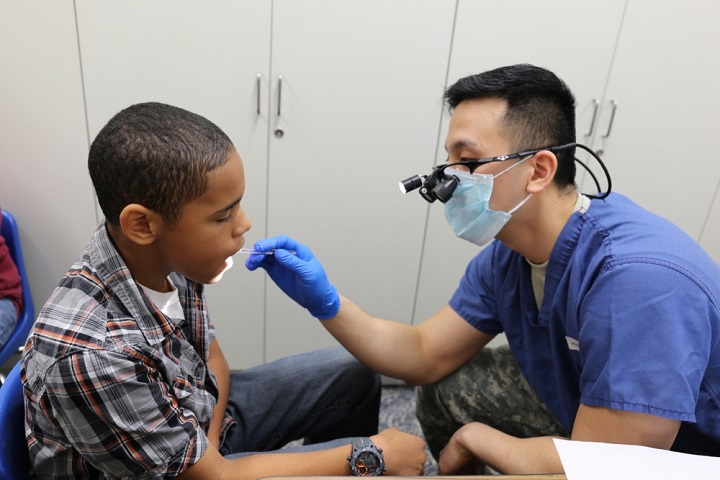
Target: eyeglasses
(469,165)
(440,186)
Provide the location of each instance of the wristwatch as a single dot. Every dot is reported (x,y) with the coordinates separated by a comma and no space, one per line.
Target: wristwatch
(365,459)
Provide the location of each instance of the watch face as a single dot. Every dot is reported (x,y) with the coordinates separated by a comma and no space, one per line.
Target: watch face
(367,464)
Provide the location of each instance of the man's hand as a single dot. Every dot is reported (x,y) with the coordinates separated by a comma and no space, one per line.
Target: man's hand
(298,274)
(404,453)
(511,455)
(455,459)
(476,442)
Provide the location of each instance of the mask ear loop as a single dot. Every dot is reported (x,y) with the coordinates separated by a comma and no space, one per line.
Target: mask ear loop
(523,202)
(513,166)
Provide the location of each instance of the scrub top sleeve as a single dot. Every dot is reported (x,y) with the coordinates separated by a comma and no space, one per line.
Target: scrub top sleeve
(474,300)
(645,340)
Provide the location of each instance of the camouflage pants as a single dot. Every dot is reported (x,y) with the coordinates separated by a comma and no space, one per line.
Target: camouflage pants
(489,389)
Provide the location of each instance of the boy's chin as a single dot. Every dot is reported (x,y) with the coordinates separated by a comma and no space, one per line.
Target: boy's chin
(214,279)
(217,278)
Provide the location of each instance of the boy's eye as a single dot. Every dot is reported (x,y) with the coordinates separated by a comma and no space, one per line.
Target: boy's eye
(230,212)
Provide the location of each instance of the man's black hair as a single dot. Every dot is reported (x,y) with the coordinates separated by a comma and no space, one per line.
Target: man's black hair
(540,110)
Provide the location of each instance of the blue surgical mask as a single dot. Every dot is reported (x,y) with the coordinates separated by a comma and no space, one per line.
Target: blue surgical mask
(468,210)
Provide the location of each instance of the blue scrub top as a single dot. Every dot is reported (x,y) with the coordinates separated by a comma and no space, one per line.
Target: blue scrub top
(630,318)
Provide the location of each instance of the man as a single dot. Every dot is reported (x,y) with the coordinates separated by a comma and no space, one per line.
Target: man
(611,313)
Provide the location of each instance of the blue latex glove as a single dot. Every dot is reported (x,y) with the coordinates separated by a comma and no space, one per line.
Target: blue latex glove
(299,275)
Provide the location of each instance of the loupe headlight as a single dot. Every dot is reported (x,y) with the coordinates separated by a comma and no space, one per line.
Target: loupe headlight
(436,186)
(410,184)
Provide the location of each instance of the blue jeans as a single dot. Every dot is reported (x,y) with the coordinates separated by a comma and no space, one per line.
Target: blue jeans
(325,397)
(8,319)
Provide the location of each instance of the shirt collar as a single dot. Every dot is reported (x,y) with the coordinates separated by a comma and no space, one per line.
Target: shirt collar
(116,276)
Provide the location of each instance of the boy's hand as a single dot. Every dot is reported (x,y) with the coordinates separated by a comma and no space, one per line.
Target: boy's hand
(299,275)
(404,454)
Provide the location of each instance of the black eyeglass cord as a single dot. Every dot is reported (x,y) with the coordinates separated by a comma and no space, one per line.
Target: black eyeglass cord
(600,195)
(440,186)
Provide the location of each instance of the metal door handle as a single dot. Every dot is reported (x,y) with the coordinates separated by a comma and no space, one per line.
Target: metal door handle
(280,79)
(259,78)
(596,104)
(612,118)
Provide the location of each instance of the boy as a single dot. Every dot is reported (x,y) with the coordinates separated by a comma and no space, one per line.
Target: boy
(122,374)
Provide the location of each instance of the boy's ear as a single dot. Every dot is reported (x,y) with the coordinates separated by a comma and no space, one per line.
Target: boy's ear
(139,224)
(544,167)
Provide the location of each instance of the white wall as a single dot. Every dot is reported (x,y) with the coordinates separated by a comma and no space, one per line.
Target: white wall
(43,138)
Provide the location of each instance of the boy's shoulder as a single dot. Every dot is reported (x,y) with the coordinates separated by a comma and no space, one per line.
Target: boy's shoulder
(88,309)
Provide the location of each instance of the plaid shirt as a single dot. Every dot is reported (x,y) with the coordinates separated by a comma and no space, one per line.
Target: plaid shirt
(113,387)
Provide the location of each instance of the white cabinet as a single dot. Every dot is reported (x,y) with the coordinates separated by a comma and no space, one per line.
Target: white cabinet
(205,57)
(665,79)
(43,139)
(654,62)
(358,106)
(360,109)
(576,40)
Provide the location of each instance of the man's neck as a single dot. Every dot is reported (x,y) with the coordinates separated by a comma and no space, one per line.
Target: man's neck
(537,229)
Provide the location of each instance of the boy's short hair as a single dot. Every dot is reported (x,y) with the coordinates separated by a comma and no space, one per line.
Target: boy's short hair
(155,155)
(540,109)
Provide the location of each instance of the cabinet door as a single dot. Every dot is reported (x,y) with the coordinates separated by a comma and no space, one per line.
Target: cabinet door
(43,141)
(494,33)
(205,57)
(665,77)
(360,110)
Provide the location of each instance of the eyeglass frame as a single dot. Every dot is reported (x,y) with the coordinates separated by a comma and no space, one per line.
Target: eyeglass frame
(426,183)
(441,184)
(475,163)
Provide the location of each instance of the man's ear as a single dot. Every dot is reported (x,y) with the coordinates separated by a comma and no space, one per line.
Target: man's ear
(544,167)
(140,225)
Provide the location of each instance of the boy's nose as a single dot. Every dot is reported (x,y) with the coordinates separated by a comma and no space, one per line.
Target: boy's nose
(244,224)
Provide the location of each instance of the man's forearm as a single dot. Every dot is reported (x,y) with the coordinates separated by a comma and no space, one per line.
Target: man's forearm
(388,347)
(505,453)
(417,354)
